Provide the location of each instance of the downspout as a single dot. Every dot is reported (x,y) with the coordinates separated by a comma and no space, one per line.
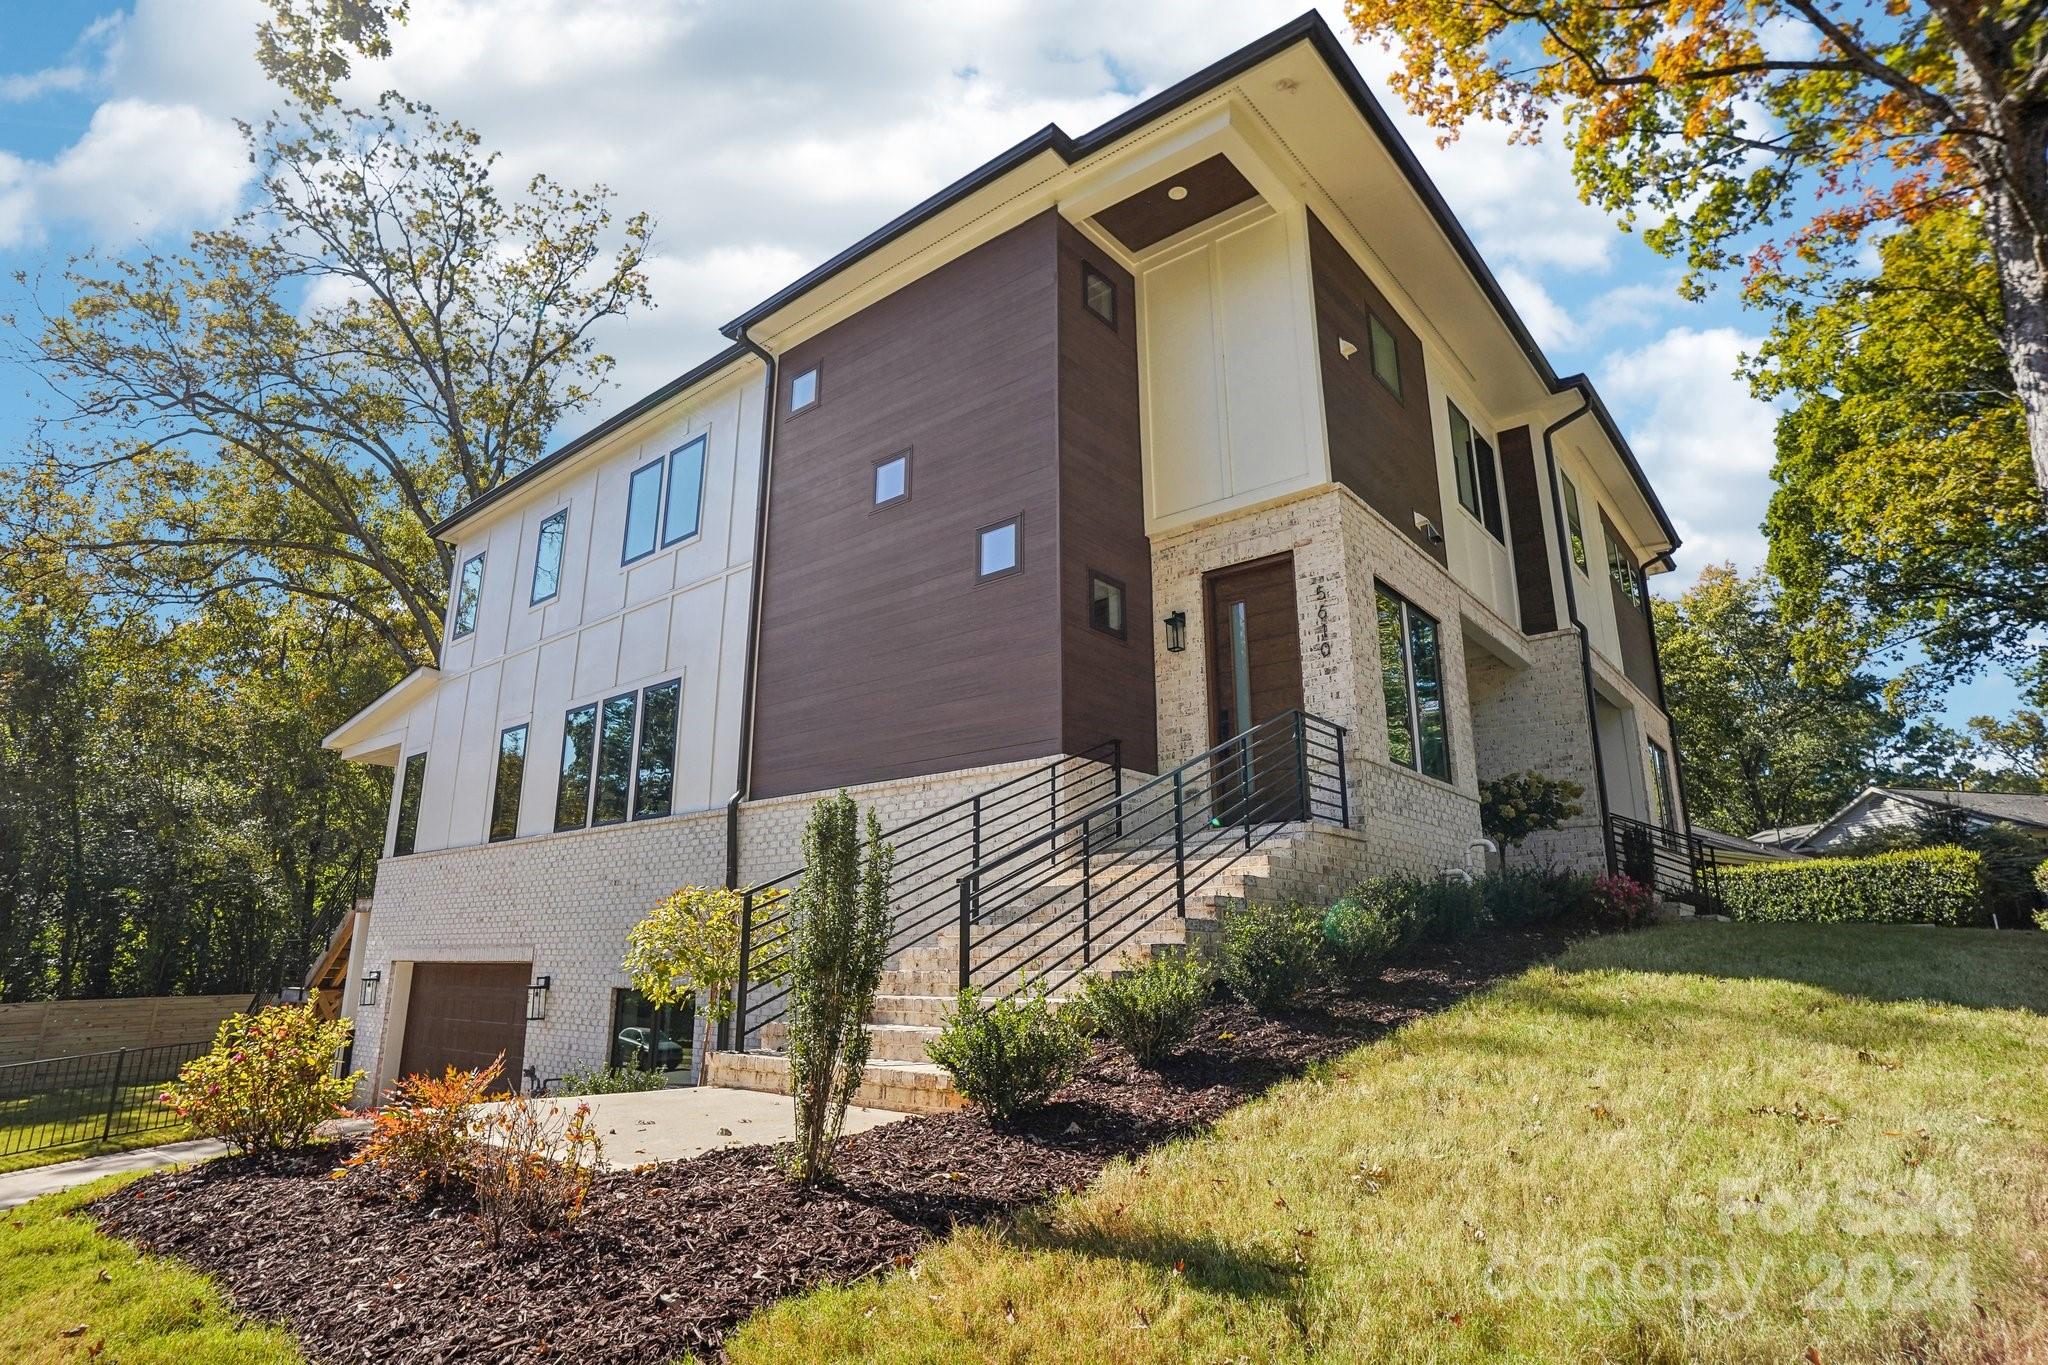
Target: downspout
(1571,606)
(1684,812)
(744,785)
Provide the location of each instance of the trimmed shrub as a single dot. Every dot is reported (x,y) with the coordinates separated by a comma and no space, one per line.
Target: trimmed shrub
(1920,886)
(1621,903)
(268,1081)
(1270,952)
(1359,934)
(610,1080)
(420,1140)
(1151,1011)
(1010,1055)
(532,1165)
(1452,909)
(1530,897)
(2041,885)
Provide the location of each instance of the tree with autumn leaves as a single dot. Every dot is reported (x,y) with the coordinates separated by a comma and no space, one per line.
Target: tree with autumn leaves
(1780,133)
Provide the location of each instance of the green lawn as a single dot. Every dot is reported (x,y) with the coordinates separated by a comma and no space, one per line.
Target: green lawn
(69,1294)
(1704,1142)
(82,1115)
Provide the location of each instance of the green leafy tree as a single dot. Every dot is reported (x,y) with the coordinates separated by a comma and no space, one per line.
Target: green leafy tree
(1905,511)
(291,403)
(838,938)
(689,946)
(1516,805)
(1763,746)
(1780,130)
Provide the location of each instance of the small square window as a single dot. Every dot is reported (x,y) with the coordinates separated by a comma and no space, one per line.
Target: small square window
(1106,604)
(1386,356)
(892,479)
(1098,294)
(999,549)
(803,390)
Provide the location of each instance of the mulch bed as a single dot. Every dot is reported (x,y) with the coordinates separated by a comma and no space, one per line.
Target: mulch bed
(668,1259)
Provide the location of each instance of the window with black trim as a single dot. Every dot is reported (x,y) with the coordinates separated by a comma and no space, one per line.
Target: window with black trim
(684,516)
(1412,684)
(579,747)
(1575,528)
(468,592)
(654,776)
(999,549)
(412,782)
(1478,484)
(892,479)
(1106,604)
(511,776)
(547,558)
(1098,293)
(803,389)
(643,512)
(614,782)
(1386,355)
(1623,572)
(647,1037)
(1660,785)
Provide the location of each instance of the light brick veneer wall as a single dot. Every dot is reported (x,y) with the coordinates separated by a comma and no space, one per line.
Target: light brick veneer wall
(1534,720)
(563,902)
(1340,548)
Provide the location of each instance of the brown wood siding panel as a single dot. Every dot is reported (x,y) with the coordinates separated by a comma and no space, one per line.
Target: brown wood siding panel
(1525,531)
(1151,215)
(881,656)
(1632,624)
(464,1014)
(1381,446)
(1107,685)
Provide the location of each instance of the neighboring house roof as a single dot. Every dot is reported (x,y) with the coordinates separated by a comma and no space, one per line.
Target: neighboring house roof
(2020,808)
(1309,28)
(1740,849)
(1784,836)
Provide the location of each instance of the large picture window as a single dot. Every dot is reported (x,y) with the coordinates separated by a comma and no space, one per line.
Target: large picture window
(685,514)
(469,591)
(648,1037)
(614,760)
(1412,682)
(505,788)
(1478,484)
(654,778)
(547,558)
(412,783)
(579,746)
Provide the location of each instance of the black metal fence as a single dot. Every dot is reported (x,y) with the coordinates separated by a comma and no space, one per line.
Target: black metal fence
(92,1097)
(1670,862)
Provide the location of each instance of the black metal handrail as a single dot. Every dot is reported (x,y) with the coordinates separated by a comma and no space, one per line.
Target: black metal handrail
(1672,862)
(1096,880)
(930,852)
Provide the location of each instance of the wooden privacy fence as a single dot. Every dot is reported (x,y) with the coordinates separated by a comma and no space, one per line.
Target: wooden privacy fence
(66,1028)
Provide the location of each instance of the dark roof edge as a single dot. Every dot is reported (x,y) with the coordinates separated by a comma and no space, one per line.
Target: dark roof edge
(630,413)
(1309,27)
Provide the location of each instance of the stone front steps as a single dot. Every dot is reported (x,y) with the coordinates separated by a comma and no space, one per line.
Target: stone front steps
(921,982)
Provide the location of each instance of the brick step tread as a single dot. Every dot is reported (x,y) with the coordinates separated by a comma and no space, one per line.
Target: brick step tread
(907,1087)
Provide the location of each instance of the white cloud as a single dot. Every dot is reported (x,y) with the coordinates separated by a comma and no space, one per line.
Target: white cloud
(1705,443)
(1553,324)
(142,166)
(20,87)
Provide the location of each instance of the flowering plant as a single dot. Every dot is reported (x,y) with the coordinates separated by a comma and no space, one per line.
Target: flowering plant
(268,1082)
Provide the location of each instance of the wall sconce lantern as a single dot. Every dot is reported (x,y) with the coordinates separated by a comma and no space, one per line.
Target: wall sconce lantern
(1176,632)
(372,982)
(537,998)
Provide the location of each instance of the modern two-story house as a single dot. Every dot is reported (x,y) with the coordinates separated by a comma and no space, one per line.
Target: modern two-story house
(1097,467)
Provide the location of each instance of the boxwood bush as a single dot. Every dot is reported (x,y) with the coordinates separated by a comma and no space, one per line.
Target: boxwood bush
(1918,886)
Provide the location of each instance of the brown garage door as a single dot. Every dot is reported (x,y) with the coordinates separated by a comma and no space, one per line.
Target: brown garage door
(464,1014)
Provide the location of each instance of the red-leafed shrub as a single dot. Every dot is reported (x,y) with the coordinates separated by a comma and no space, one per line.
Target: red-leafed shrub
(421,1141)
(268,1082)
(1620,903)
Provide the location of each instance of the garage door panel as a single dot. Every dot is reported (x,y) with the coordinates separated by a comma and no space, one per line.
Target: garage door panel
(463,1014)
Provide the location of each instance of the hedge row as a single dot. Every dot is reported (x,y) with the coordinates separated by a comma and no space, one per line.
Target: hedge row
(1914,886)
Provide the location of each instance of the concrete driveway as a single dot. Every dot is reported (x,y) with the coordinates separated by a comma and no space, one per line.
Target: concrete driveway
(668,1125)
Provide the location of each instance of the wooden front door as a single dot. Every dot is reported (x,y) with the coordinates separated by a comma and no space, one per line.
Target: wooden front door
(1254,675)
(463,1014)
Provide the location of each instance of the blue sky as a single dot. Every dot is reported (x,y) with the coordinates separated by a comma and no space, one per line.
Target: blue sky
(764,136)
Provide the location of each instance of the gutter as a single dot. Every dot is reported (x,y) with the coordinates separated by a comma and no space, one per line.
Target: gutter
(1571,606)
(1684,812)
(744,784)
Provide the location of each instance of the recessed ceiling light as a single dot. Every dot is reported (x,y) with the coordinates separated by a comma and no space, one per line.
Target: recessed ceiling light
(1177,193)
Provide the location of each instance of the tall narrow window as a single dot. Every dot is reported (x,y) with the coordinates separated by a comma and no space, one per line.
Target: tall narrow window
(803,390)
(685,515)
(467,593)
(614,761)
(643,511)
(1412,681)
(1461,461)
(572,791)
(1621,571)
(1106,604)
(654,775)
(1575,529)
(999,549)
(411,785)
(1478,485)
(1098,294)
(547,558)
(511,776)
(1386,356)
(1660,785)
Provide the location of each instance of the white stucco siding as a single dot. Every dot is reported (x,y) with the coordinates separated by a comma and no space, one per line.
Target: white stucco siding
(678,613)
